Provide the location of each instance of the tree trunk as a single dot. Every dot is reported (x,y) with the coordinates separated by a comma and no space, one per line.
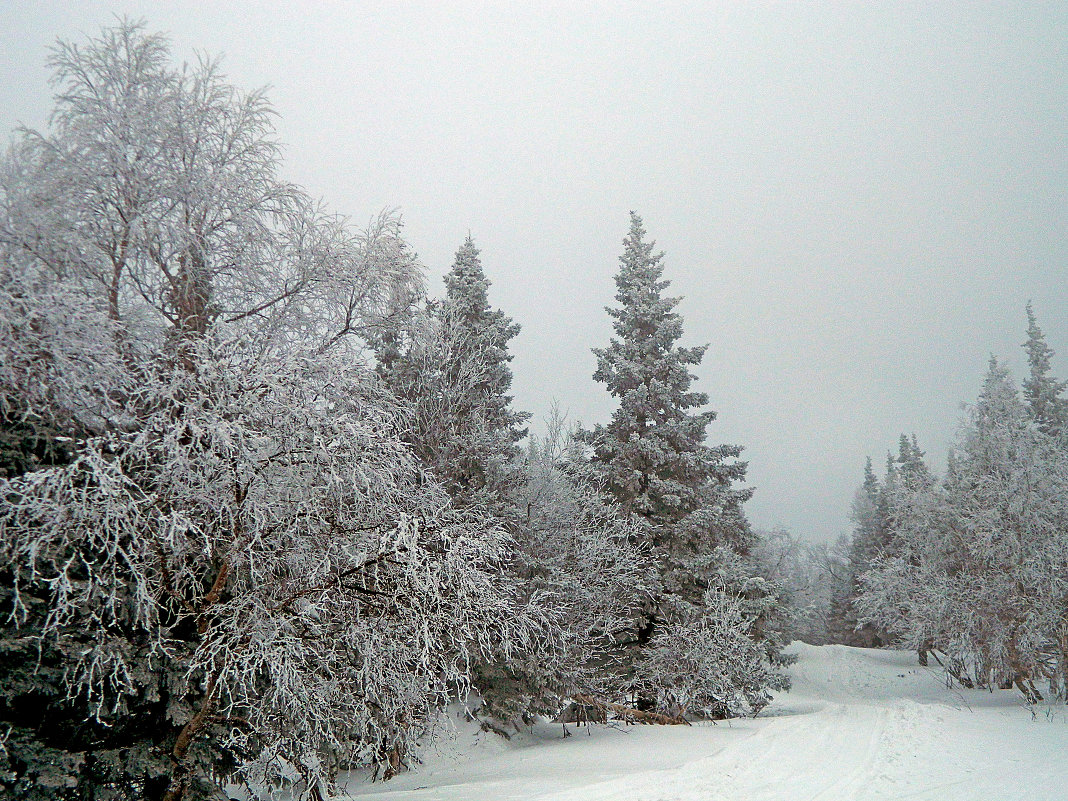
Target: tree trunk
(179,754)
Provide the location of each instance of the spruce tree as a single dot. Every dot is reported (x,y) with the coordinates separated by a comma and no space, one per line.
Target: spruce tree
(1040,389)
(873,536)
(912,470)
(976,562)
(869,526)
(653,458)
(652,453)
(451,367)
(486,333)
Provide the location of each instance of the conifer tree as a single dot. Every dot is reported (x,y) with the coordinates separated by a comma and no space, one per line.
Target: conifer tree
(977,563)
(1042,391)
(653,459)
(486,332)
(868,534)
(841,619)
(873,536)
(451,366)
(652,452)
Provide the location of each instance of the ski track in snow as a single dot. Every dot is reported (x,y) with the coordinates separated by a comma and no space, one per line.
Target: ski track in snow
(859,724)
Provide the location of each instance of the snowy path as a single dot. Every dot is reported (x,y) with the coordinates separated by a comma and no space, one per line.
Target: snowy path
(858,724)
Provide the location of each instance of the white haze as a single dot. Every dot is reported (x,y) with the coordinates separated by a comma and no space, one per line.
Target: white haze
(856,202)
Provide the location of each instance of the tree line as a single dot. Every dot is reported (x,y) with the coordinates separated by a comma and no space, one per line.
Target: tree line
(971,568)
(267,507)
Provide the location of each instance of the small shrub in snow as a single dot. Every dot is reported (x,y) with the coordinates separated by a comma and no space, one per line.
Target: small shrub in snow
(708,664)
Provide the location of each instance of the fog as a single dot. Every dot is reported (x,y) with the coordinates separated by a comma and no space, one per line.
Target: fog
(856,203)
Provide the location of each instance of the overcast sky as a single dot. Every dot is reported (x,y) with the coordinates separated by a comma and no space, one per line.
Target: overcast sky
(855,202)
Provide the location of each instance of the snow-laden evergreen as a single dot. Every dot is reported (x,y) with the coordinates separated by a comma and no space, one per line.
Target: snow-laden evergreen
(577,552)
(652,452)
(977,564)
(450,364)
(654,460)
(1041,390)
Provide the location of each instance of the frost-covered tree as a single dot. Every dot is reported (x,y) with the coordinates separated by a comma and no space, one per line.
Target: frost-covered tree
(230,566)
(841,618)
(578,554)
(157,190)
(451,365)
(872,539)
(488,331)
(263,559)
(654,460)
(803,570)
(870,534)
(57,364)
(652,453)
(1041,390)
(711,664)
(977,563)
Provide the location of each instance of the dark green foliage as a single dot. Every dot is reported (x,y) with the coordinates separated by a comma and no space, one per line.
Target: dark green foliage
(63,748)
(56,746)
(28,441)
(63,745)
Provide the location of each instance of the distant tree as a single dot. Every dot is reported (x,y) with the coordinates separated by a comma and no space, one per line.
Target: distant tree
(841,618)
(803,571)
(976,564)
(872,538)
(912,470)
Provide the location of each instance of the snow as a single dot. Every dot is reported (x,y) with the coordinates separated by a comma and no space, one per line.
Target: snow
(858,724)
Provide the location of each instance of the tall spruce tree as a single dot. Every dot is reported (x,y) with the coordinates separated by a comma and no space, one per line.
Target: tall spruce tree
(653,458)
(1042,391)
(652,452)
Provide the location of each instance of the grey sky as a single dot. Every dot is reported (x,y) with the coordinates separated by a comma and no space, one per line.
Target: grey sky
(856,202)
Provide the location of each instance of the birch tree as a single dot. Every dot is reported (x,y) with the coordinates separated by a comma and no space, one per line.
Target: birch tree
(236,569)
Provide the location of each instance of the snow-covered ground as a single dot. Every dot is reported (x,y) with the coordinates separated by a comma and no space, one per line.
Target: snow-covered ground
(858,724)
